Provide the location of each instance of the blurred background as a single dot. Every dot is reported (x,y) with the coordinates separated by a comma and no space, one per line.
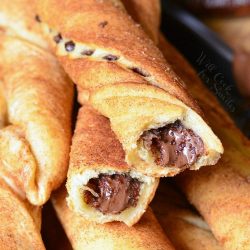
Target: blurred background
(214,35)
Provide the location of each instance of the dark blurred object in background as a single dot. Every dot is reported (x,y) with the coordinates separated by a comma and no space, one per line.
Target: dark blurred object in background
(242,72)
(235,31)
(219,7)
(53,234)
(213,58)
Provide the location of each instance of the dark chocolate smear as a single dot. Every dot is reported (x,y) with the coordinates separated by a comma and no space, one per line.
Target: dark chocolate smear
(37,18)
(111,58)
(115,193)
(69,46)
(103,24)
(140,72)
(87,52)
(58,38)
(173,145)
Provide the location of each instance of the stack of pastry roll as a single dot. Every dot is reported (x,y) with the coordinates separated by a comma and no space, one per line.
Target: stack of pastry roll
(220,194)
(35,143)
(133,100)
(27,103)
(212,205)
(96,148)
(108,180)
(33,107)
(34,137)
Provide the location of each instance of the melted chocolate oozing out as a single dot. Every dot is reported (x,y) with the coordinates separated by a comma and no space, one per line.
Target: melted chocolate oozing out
(115,193)
(173,145)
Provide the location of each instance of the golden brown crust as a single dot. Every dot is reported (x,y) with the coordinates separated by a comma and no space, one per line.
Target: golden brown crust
(81,23)
(183,225)
(84,73)
(18,18)
(95,144)
(38,101)
(223,199)
(109,31)
(221,194)
(147,13)
(147,234)
(18,228)
(140,107)
(149,17)
(39,105)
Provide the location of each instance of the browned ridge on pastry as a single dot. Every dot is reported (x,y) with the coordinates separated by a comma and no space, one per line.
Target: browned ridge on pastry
(123,75)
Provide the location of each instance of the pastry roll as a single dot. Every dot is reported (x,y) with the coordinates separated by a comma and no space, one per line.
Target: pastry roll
(101,186)
(220,194)
(39,118)
(20,222)
(34,147)
(183,225)
(120,73)
(83,234)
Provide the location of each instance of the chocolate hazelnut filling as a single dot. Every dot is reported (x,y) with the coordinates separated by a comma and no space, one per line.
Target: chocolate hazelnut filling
(173,145)
(115,193)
